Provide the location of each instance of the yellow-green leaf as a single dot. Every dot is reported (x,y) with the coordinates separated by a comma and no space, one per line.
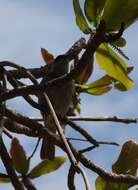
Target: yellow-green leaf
(118,11)
(98,91)
(80,19)
(118,85)
(93,9)
(127,162)
(114,66)
(46,166)
(102,184)
(4,178)
(18,156)
(121,42)
(102,82)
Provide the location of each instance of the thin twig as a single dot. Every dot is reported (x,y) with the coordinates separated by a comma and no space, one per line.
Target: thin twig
(82,131)
(7,133)
(17,84)
(99,142)
(104,118)
(86,149)
(34,151)
(86,182)
(124,120)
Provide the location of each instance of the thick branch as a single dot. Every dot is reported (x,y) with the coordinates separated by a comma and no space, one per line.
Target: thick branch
(71,176)
(43,132)
(9,167)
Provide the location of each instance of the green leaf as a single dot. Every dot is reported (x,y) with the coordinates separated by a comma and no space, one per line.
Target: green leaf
(98,87)
(80,19)
(102,184)
(121,42)
(19,158)
(92,9)
(127,162)
(118,85)
(98,91)
(118,11)
(115,67)
(46,166)
(102,82)
(4,178)
(78,108)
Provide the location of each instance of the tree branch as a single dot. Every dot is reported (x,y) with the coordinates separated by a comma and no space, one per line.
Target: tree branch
(28,184)
(9,167)
(125,120)
(112,177)
(103,118)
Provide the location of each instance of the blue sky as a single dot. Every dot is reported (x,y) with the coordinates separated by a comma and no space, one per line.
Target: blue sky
(28,25)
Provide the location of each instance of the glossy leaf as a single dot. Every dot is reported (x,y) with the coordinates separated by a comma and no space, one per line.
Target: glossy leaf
(18,156)
(127,162)
(102,82)
(46,166)
(114,66)
(80,19)
(98,91)
(93,9)
(121,42)
(118,85)
(116,12)
(48,57)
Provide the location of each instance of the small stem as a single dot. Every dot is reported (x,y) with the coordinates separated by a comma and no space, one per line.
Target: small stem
(34,149)
(28,184)
(82,131)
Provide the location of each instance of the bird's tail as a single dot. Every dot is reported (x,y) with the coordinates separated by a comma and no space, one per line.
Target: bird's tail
(48,147)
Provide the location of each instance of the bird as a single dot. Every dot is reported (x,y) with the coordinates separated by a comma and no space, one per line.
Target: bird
(60,95)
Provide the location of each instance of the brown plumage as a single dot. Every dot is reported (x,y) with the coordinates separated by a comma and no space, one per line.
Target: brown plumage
(60,96)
